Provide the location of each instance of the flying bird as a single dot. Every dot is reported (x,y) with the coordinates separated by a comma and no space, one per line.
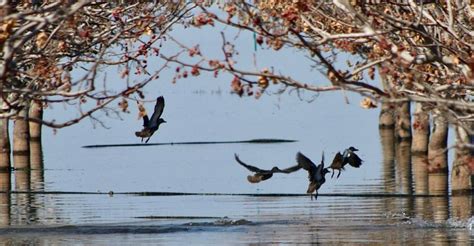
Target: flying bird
(337,164)
(261,174)
(348,157)
(315,173)
(150,125)
(352,158)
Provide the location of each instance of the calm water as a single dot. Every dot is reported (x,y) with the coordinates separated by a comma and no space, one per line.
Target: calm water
(383,202)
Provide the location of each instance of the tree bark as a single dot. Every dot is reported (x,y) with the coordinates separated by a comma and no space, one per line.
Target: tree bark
(36,151)
(387,112)
(21,141)
(461,172)
(421,131)
(437,154)
(4,146)
(403,124)
(386,116)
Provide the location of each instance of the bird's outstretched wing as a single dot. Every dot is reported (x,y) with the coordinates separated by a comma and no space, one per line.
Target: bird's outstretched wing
(319,169)
(354,160)
(159,106)
(249,167)
(290,169)
(306,163)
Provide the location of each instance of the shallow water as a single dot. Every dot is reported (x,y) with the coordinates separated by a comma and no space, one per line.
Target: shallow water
(386,201)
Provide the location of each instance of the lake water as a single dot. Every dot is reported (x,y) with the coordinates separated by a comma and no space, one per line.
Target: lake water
(383,202)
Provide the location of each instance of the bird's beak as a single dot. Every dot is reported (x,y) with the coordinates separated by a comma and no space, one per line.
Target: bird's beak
(164,121)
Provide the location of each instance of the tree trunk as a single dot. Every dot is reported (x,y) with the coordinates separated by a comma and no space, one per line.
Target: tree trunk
(420,173)
(386,116)
(387,140)
(403,158)
(403,124)
(36,151)
(21,141)
(421,131)
(461,173)
(437,153)
(4,146)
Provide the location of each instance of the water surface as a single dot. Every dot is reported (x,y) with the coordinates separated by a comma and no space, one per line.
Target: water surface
(385,201)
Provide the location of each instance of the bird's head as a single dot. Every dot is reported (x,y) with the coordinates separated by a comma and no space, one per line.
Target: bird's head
(325,170)
(352,149)
(275,169)
(160,120)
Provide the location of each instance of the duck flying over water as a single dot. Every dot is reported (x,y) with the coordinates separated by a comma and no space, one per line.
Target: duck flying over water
(348,157)
(337,164)
(151,125)
(315,173)
(261,174)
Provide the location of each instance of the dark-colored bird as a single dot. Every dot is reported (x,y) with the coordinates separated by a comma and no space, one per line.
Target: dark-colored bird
(315,173)
(348,157)
(337,164)
(150,125)
(261,174)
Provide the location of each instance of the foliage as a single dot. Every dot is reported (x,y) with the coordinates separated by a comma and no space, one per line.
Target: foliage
(422,50)
(43,42)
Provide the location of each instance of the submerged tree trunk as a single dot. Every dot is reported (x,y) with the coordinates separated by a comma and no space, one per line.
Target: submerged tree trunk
(403,124)
(36,151)
(4,146)
(461,174)
(21,141)
(420,173)
(387,140)
(421,131)
(438,157)
(437,154)
(386,116)
(403,158)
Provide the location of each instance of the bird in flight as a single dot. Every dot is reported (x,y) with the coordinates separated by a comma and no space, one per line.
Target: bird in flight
(348,157)
(315,173)
(261,174)
(151,125)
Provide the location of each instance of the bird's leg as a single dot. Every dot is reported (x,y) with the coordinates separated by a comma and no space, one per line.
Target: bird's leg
(147,139)
(332,175)
(339,174)
(311,196)
(316,196)
(142,140)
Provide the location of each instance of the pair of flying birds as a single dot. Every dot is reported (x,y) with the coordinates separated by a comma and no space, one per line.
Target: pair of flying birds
(316,173)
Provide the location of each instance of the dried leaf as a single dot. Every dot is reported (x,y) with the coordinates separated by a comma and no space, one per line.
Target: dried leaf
(41,39)
(141,110)
(367,103)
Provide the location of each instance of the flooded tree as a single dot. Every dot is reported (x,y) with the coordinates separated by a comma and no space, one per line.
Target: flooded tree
(53,52)
(422,47)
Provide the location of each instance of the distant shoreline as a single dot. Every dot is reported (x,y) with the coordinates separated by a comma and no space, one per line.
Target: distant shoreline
(251,141)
